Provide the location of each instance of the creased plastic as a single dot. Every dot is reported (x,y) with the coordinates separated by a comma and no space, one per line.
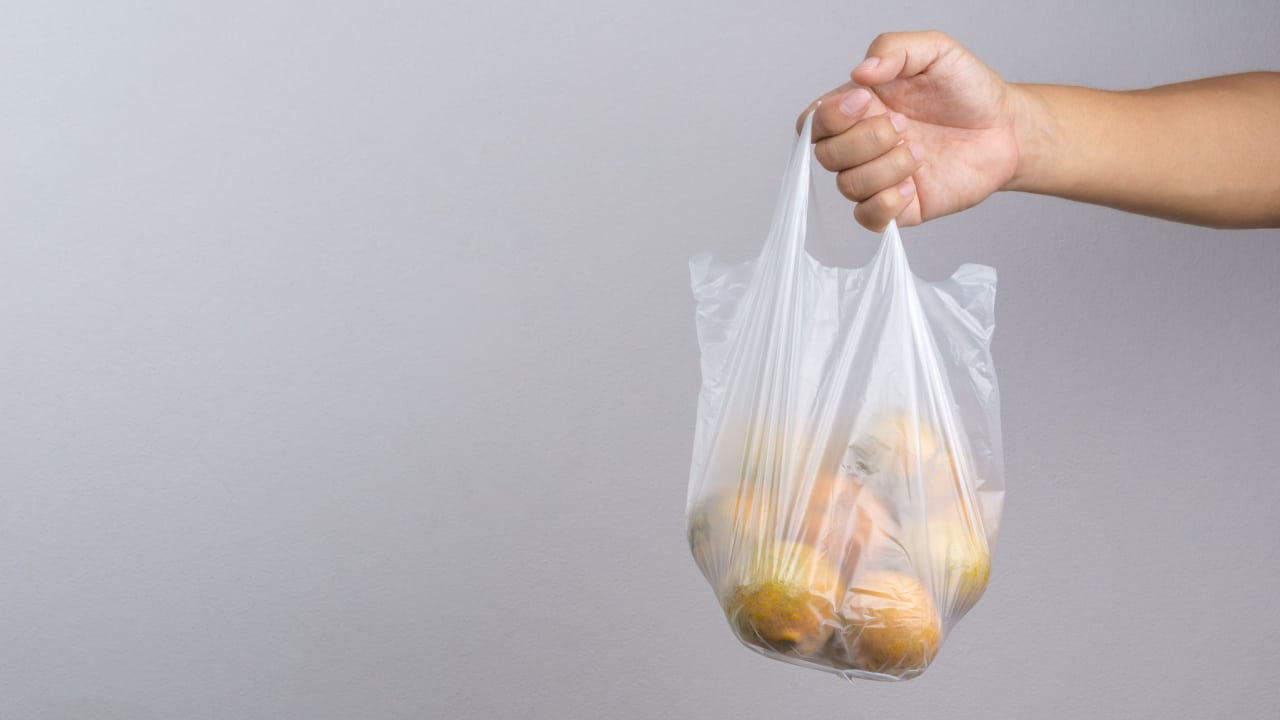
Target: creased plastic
(846,484)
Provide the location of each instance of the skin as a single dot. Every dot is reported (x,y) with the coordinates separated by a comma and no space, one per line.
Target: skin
(925,129)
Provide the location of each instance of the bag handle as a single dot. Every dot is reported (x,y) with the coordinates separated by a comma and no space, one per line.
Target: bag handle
(790,225)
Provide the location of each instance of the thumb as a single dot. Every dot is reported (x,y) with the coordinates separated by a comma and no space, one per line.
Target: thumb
(901,55)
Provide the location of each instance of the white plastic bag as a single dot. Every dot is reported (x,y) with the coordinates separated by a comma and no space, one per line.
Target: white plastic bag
(847,480)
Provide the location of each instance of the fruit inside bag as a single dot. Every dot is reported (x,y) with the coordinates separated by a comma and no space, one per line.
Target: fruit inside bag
(847,481)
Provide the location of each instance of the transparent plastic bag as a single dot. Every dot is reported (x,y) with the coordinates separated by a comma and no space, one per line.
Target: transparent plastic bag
(847,479)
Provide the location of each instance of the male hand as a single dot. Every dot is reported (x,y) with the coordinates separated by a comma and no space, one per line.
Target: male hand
(923,130)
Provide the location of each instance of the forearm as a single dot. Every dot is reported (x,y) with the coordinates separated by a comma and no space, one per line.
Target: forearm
(1204,152)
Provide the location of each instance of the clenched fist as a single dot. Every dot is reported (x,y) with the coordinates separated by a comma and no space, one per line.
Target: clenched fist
(923,129)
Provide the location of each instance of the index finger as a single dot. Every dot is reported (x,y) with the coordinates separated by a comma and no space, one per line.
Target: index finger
(838,111)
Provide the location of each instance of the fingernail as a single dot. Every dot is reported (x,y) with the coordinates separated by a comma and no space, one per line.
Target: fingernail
(855,102)
(899,121)
(917,152)
(868,63)
(907,189)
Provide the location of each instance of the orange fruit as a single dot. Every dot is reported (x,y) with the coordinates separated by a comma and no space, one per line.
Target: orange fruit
(890,624)
(725,524)
(755,493)
(891,442)
(960,561)
(783,599)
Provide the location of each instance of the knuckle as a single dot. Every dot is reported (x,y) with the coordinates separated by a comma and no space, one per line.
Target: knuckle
(877,211)
(886,203)
(822,150)
(842,184)
(883,134)
(905,162)
(849,185)
(865,215)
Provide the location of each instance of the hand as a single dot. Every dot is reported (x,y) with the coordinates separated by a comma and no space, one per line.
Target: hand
(925,129)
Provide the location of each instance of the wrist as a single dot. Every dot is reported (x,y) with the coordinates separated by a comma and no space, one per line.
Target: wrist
(1034,132)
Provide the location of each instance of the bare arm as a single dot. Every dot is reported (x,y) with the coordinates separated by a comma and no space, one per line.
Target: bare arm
(1205,152)
(925,129)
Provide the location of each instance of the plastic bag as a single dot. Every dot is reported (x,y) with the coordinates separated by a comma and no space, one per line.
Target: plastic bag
(847,480)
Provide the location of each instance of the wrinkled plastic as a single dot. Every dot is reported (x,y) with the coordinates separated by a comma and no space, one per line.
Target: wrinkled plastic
(847,481)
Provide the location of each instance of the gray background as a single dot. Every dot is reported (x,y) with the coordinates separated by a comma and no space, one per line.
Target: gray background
(349,366)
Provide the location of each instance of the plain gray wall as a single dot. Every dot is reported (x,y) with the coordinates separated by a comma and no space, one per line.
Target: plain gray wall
(349,366)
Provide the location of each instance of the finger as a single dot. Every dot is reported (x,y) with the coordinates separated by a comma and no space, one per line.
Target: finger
(901,55)
(889,169)
(875,212)
(867,140)
(839,111)
(824,100)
